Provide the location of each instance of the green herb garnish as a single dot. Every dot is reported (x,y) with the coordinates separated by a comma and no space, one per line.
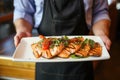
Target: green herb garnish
(75,56)
(92,43)
(84,43)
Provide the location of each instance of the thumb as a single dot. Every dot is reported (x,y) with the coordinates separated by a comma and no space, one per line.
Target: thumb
(28,34)
(16,40)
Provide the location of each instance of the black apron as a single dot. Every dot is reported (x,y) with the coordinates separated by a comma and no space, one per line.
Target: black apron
(64,17)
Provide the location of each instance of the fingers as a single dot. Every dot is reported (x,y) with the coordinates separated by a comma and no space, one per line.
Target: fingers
(28,34)
(108,44)
(106,41)
(16,40)
(19,36)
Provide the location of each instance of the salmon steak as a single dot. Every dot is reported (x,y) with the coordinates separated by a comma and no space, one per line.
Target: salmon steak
(64,47)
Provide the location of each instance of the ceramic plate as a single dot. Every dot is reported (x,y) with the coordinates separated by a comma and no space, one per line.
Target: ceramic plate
(24,51)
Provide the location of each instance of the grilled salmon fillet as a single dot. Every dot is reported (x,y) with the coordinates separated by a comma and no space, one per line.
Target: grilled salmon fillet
(83,52)
(36,50)
(73,46)
(96,50)
(47,48)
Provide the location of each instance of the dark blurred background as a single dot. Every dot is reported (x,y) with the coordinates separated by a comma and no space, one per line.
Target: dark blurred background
(6,18)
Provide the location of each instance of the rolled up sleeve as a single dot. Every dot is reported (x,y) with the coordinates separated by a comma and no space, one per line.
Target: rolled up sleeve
(24,9)
(100,11)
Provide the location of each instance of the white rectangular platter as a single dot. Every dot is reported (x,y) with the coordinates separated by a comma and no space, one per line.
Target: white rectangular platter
(24,51)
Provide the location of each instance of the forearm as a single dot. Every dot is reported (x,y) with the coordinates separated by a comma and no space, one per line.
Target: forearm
(22,25)
(101,28)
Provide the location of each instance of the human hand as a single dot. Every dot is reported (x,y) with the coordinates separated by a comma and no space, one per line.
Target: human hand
(106,41)
(19,36)
(101,29)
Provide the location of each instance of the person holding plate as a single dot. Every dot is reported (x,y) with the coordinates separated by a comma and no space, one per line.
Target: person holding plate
(62,17)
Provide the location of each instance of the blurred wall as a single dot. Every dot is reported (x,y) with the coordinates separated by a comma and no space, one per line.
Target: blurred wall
(6,22)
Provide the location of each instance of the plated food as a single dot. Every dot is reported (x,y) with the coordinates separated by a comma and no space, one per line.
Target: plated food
(65,47)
